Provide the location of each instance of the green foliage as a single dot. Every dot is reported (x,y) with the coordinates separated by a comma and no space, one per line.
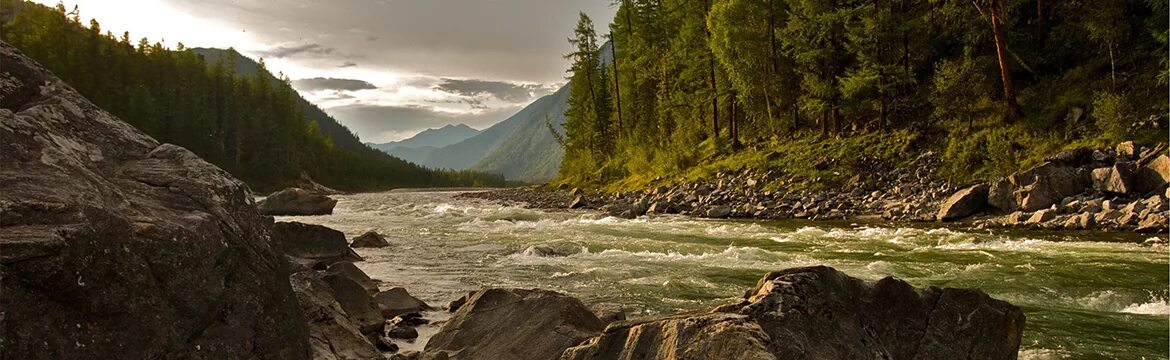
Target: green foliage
(779,84)
(248,124)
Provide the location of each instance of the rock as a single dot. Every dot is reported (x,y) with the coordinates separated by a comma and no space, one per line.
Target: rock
(114,246)
(331,334)
(1085,221)
(821,313)
(1040,217)
(1018,217)
(964,203)
(386,344)
(1154,174)
(359,306)
(659,207)
(578,202)
(401,331)
(296,201)
(1107,216)
(371,239)
(1075,157)
(1156,222)
(717,212)
(1126,150)
(608,312)
(1046,184)
(1127,219)
(454,305)
(1002,196)
(419,355)
(516,324)
(397,301)
(313,242)
(1117,179)
(351,271)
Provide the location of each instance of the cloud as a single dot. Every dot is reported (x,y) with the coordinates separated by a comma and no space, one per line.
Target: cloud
(380,123)
(298,50)
(318,84)
(506,91)
(347,64)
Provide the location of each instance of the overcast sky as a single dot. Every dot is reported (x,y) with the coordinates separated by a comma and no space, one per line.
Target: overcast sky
(386,68)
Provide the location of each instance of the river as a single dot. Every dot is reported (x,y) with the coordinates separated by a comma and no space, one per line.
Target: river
(1086,295)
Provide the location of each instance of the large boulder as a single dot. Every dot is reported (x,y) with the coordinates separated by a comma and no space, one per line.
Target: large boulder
(371,239)
(114,246)
(1118,179)
(1039,187)
(332,335)
(1154,174)
(964,203)
(397,301)
(312,242)
(516,324)
(821,313)
(296,201)
(359,306)
(351,271)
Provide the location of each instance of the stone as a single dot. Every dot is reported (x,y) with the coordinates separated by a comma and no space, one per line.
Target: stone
(314,242)
(114,246)
(400,331)
(331,333)
(371,239)
(359,306)
(351,271)
(1127,219)
(454,305)
(608,312)
(1154,223)
(577,203)
(717,212)
(1074,157)
(1001,195)
(1040,217)
(1018,217)
(1085,221)
(516,324)
(397,301)
(296,201)
(963,203)
(1107,216)
(1046,184)
(1154,174)
(821,313)
(1118,179)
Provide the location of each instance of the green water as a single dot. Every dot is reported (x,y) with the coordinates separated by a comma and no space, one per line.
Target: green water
(1086,295)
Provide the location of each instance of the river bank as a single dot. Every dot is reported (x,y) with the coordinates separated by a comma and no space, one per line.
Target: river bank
(1120,189)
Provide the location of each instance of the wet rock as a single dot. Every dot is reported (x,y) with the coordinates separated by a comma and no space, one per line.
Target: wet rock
(296,201)
(114,246)
(313,242)
(577,203)
(331,333)
(419,355)
(717,212)
(400,331)
(385,344)
(821,313)
(1154,223)
(454,305)
(1040,217)
(964,203)
(608,312)
(371,239)
(545,250)
(351,271)
(397,301)
(516,324)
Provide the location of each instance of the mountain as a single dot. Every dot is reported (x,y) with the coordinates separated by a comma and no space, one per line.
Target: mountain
(531,153)
(417,148)
(339,134)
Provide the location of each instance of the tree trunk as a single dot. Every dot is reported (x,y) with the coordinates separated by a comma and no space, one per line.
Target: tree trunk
(633,69)
(714,88)
(617,87)
(1112,67)
(1009,96)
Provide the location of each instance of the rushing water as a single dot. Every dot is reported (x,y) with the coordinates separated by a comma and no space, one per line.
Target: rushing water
(1086,295)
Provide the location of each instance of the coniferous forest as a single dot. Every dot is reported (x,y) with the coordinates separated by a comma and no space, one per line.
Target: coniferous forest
(823,89)
(247,124)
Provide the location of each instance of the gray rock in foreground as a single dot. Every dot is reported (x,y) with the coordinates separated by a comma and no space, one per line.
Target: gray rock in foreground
(296,201)
(114,246)
(821,313)
(515,324)
(312,242)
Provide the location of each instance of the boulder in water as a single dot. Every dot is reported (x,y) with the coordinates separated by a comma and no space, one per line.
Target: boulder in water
(313,242)
(296,201)
(371,239)
(397,301)
(516,324)
(332,335)
(351,271)
(964,203)
(359,306)
(114,246)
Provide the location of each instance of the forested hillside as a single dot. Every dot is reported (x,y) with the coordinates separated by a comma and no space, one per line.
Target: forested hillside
(823,89)
(247,124)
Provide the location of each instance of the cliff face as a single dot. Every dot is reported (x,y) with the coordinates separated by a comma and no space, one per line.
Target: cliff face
(115,246)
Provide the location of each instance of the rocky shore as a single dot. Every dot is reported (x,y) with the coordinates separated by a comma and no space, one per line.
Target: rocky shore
(1123,188)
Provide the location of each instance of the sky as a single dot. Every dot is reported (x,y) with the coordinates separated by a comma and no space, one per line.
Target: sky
(387,69)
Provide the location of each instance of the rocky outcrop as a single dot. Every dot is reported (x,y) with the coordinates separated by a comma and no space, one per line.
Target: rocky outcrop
(333,336)
(359,306)
(312,242)
(296,201)
(964,203)
(821,313)
(113,246)
(351,271)
(371,239)
(397,301)
(1118,179)
(515,324)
